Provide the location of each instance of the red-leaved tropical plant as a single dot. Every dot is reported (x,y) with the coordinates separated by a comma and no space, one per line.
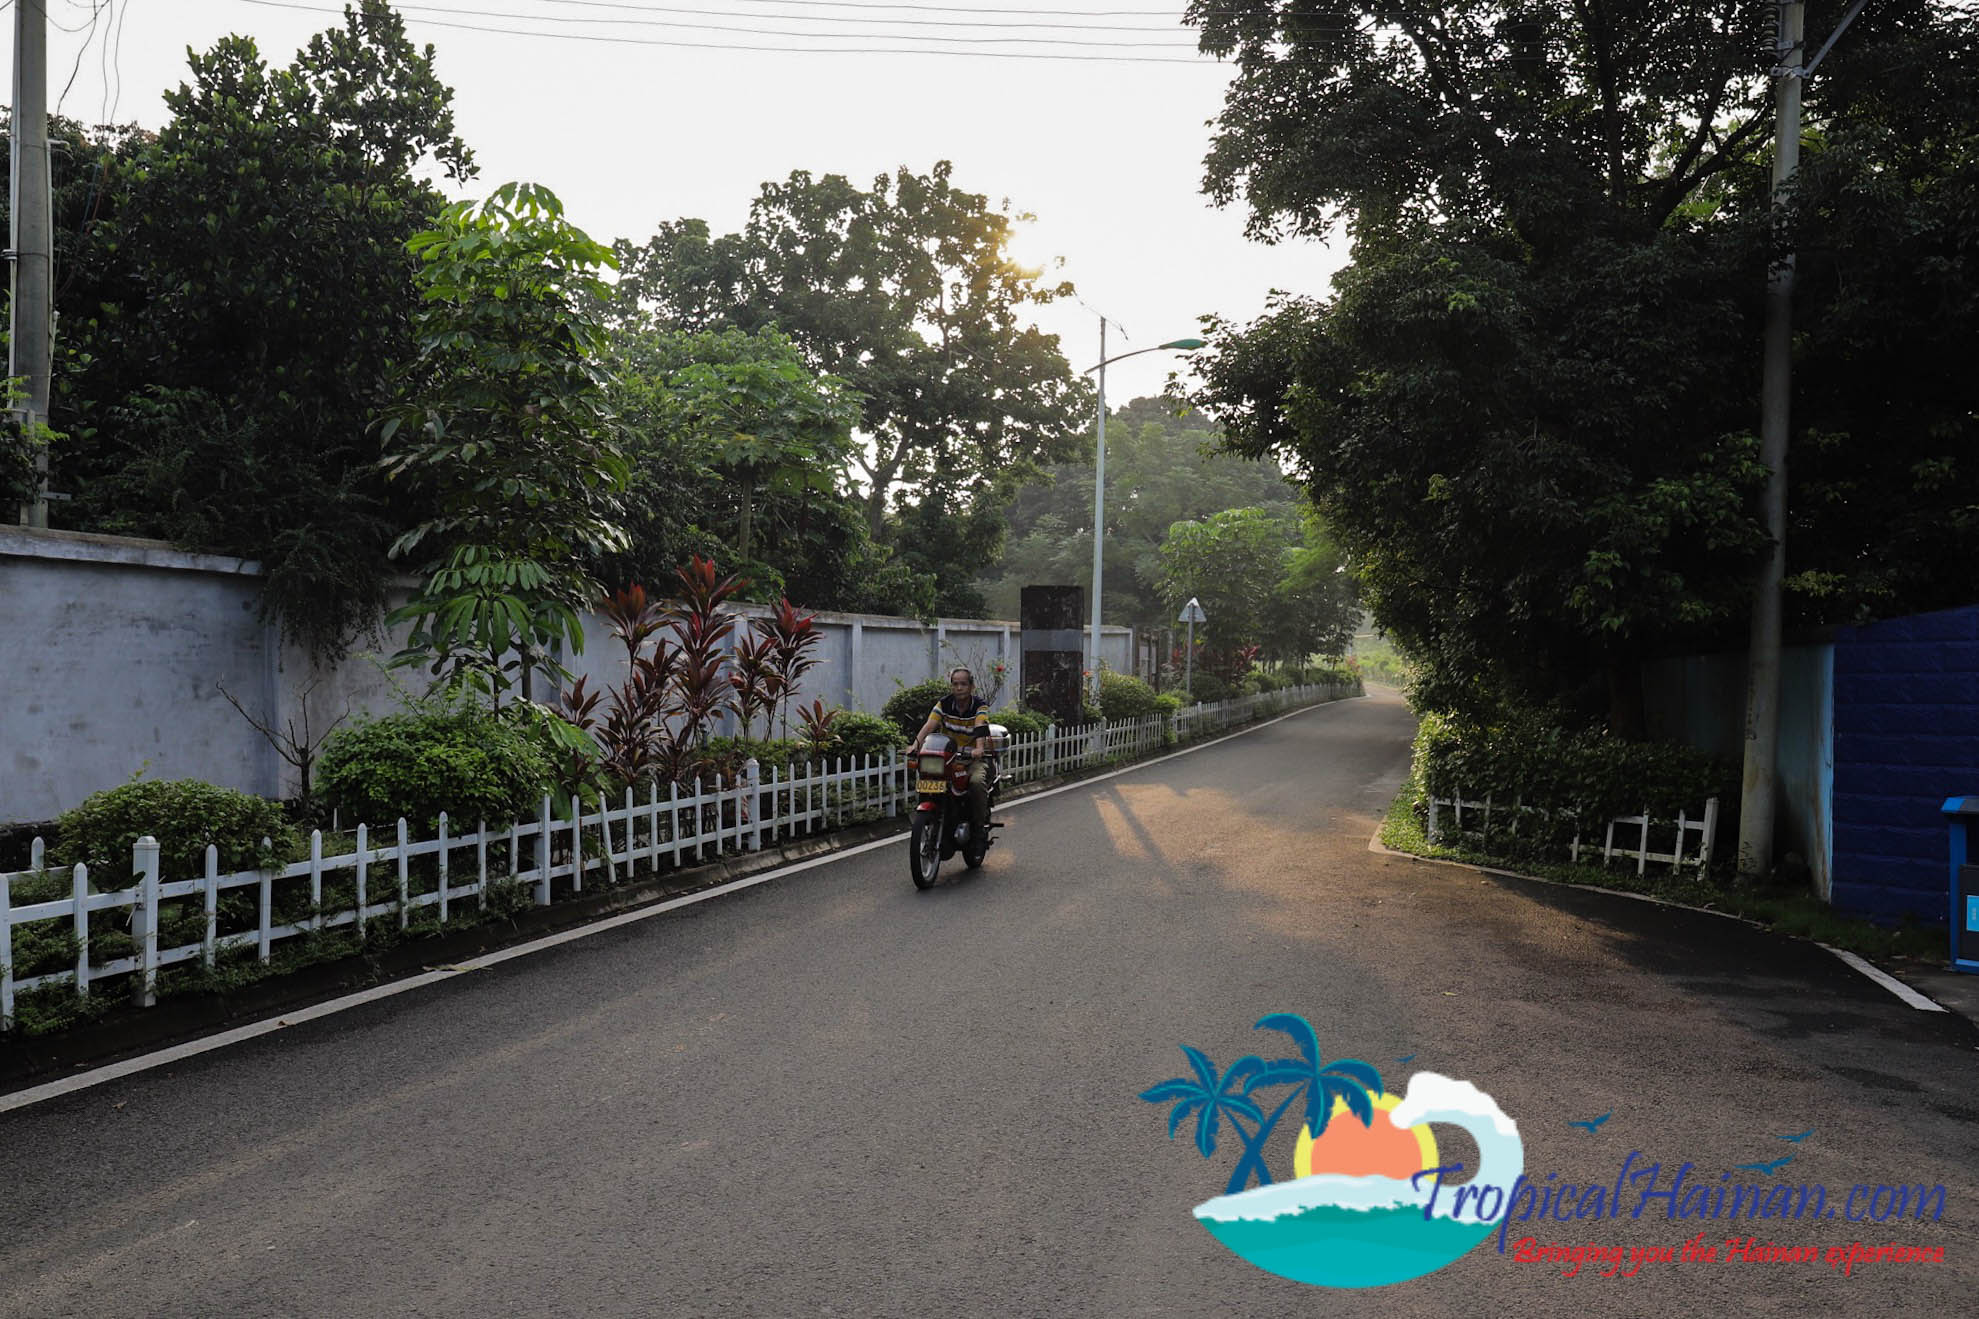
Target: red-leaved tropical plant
(817,721)
(701,689)
(754,680)
(792,637)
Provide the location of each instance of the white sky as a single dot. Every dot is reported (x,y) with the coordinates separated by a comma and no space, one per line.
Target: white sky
(1107,154)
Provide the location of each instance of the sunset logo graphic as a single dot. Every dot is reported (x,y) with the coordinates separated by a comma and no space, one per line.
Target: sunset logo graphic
(1358,1211)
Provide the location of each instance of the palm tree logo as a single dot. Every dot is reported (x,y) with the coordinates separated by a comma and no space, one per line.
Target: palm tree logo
(1357,1211)
(1212,1099)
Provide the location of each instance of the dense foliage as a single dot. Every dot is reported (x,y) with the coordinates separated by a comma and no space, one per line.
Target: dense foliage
(1551,783)
(185,816)
(1526,410)
(908,708)
(236,291)
(472,764)
(1124,697)
(903,291)
(501,429)
(856,733)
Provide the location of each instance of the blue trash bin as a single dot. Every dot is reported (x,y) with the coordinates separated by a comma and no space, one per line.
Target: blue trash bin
(1962,814)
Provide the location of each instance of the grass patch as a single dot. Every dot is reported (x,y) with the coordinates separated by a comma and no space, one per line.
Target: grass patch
(1784,911)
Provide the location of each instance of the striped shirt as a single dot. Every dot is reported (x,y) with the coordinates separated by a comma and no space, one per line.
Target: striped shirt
(965,722)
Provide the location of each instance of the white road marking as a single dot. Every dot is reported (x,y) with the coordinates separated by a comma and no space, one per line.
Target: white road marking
(192,1048)
(1888,981)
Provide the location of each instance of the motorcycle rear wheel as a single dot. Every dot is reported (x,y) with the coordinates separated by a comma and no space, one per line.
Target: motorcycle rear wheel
(924,849)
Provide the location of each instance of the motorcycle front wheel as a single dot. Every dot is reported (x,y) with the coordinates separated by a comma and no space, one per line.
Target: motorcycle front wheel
(924,849)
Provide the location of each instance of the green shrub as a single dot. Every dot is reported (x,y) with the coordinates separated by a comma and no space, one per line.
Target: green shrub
(727,755)
(908,708)
(470,763)
(1209,687)
(856,733)
(1168,702)
(1561,778)
(1021,723)
(184,815)
(1124,697)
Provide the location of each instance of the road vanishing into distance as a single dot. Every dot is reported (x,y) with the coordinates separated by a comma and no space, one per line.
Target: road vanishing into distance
(833,1095)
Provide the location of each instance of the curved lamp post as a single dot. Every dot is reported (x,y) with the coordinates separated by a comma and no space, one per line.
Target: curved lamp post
(1099,479)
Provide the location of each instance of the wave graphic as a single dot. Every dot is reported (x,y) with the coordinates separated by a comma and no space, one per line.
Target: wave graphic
(1341,1231)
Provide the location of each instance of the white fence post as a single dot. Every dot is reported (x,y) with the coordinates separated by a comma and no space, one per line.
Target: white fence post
(752,779)
(405,881)
(79,889)
(442,855)
(363,872)
(316,879)
(211,948)
(6,953)
(144,919)
(543,853)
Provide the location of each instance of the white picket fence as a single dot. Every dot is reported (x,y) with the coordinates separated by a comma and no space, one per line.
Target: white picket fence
(167,921)
(1705,826)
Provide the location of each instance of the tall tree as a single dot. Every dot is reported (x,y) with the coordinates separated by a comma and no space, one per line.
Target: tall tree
(741,451)
(503,431)
(1526,409)
(904,291)
(237,292)
(1161,468)
(1233,562)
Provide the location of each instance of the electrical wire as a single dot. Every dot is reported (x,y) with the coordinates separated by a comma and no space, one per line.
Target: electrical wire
(117,64)
(95,13)
(797,50)
(912,9)
(786,32)
(1173,28)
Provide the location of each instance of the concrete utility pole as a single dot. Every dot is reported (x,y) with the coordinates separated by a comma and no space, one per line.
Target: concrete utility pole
(30,349)
(1099,518)
(1762,686)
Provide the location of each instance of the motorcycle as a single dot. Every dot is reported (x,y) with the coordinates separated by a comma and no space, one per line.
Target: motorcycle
(942,826)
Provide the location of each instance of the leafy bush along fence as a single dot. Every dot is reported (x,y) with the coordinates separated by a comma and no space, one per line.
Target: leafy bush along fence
(53,938)
(1527,788)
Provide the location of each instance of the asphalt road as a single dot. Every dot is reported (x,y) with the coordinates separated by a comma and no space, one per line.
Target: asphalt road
(833,1095)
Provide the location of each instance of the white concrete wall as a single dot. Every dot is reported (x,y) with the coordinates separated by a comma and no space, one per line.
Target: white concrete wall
(865,658)
(112,652)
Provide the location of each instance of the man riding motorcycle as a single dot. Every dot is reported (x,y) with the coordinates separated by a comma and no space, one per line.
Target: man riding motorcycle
(964,717)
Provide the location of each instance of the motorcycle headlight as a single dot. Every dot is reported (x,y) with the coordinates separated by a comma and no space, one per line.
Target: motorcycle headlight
(932,765)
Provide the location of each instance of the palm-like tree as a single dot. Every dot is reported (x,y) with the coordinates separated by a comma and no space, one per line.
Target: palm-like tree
(1348,1079)
(1209,1097)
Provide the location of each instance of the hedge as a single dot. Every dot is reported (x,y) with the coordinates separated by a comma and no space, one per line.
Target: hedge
(1563,779)
(184,815)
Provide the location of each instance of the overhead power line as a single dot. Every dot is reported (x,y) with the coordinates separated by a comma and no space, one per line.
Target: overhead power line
(915,43)
(907,8)
(996,17)
(457,11)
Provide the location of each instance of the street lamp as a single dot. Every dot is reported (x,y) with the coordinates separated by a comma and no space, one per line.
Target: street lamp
(1099,476)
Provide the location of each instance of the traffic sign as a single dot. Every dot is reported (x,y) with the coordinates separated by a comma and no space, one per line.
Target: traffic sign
(1192,612)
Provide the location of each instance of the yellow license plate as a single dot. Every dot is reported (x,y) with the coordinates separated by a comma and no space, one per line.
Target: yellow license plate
(931,785)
